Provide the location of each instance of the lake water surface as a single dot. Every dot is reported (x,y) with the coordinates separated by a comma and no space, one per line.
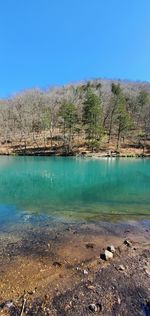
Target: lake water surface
(72,188)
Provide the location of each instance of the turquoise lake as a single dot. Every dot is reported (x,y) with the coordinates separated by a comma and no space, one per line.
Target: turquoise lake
(74,188)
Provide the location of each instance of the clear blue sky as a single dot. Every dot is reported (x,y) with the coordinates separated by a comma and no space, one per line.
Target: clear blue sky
(53,42)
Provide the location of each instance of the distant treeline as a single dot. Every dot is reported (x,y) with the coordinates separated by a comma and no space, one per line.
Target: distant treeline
(89,112)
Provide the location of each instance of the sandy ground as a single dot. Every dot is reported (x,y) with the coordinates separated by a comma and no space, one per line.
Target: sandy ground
(62,271)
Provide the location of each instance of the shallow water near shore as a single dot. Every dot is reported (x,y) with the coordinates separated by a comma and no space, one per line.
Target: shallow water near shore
(57,215)
(73,189)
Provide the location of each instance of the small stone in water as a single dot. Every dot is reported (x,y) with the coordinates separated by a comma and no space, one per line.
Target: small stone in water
(111,248)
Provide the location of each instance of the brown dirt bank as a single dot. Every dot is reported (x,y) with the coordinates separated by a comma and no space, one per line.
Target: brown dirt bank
(59,272)
(127,149)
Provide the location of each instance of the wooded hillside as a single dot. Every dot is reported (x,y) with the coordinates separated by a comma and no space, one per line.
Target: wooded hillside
(102,116)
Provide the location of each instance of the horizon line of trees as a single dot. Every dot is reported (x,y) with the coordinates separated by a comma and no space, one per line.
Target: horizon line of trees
(86,111)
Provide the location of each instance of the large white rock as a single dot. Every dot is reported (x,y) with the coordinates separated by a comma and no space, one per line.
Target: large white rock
(108,255)
(111,248)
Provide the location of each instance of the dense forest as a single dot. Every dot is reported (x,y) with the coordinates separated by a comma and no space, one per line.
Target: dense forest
(102,116)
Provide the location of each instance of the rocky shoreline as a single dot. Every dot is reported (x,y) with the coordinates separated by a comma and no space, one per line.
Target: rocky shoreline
(64,271)
(83,155)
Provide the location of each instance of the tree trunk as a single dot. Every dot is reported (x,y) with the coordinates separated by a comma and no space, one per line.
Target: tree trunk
(118,138)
